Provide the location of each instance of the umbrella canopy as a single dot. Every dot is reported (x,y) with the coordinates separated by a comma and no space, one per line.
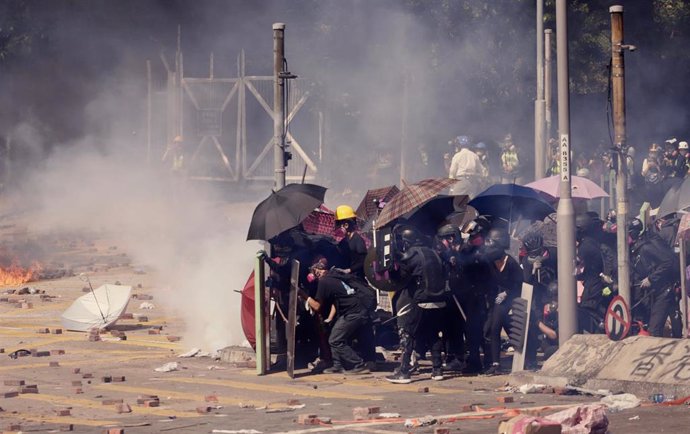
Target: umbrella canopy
(367,208)
(321,221)
(508,201)
(284,209)
(435,211)
(582,188)
(669,204)
(100,308)
(412,196)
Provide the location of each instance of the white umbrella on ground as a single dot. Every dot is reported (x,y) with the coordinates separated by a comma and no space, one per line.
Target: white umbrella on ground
(100,308)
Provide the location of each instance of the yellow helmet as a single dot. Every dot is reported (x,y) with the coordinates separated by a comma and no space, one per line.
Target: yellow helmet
(344,212)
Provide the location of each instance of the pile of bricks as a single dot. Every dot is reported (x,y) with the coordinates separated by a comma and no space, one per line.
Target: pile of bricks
(94,335)
(363,413)
(148,400)
(119,334)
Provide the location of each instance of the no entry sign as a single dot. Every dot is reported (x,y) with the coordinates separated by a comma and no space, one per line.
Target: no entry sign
(617,319)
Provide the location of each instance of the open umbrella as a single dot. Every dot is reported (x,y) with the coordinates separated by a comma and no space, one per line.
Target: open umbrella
(582,188)
(284,209)
(435,211)
(412,196)
(368,207)
(100,308)
(509,201)
(669,204)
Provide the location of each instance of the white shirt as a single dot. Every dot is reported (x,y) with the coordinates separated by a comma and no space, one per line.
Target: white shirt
(466,163)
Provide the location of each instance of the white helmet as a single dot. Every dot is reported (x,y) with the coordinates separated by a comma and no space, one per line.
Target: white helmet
(683,145)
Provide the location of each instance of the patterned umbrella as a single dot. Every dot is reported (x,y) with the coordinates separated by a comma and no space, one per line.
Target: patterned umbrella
(367,208)
(412,196)
(321,221)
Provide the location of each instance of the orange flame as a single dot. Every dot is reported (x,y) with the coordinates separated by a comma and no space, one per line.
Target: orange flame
(15,274)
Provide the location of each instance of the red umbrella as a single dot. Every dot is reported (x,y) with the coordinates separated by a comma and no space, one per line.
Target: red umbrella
(367,208)
(412,196)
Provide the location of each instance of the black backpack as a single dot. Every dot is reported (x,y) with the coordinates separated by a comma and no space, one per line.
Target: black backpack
(364,293)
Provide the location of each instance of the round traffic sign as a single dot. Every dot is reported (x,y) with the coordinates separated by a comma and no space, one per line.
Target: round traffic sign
(617,320)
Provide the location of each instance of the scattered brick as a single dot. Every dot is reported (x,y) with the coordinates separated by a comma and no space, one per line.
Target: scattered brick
(85,289)
(13,382)
(119,379)
(152,403)
(142,398)
(127,316)
(54,364)
(154,332)
(12,394)
(27,305)
(203,409)
(423,390)
(57,352)
(214,398)
(307,419)
(78,390)
(173,338)
(468,408)
(65,428)
(115,431)
(289,401)
(504,399)
(2,350)
(143,297)
(87,375)
(56,331)
(13,427)
(374,410)
(111,401)
(40,353)
(62,412)
(76,383)
(29,389)
(43,331)
(123,408)
(441,430)
(142,318)
(107,379)
(76,370)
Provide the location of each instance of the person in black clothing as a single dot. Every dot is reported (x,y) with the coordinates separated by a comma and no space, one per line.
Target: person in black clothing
(507,278)
(540,269)
(352,316)
(448,243)
(419,300)
(352,247)
(475,280)
(590,263)
(655,273)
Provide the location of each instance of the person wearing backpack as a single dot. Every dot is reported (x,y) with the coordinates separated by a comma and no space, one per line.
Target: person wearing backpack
(419,301)
(352,316)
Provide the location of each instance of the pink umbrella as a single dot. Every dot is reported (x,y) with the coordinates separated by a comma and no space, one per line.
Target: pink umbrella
(582,188)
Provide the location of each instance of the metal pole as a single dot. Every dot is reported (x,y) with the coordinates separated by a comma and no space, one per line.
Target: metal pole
(683,286)
(567,292)
(278,106)
(149,90)
(403,130)
(539,103)
(618,89)
(547,83)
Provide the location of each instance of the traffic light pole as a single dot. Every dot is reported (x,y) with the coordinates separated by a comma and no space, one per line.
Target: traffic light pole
(278,106)
(567,290)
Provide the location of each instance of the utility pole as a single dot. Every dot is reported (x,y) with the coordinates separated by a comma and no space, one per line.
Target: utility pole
(547,84)
(567,293)
(278,106)
(618,95)
(539,103)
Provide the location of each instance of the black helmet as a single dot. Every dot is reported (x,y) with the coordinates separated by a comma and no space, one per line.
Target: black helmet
(407,236)
(635,228)
(449,230)
(533,243)
(498,238)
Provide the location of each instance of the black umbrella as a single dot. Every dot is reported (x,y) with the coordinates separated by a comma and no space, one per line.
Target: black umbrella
(509,201)
(284,209)
(435,211)
(670,203)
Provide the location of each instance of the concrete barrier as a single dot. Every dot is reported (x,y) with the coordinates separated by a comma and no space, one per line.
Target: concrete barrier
(640,364)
